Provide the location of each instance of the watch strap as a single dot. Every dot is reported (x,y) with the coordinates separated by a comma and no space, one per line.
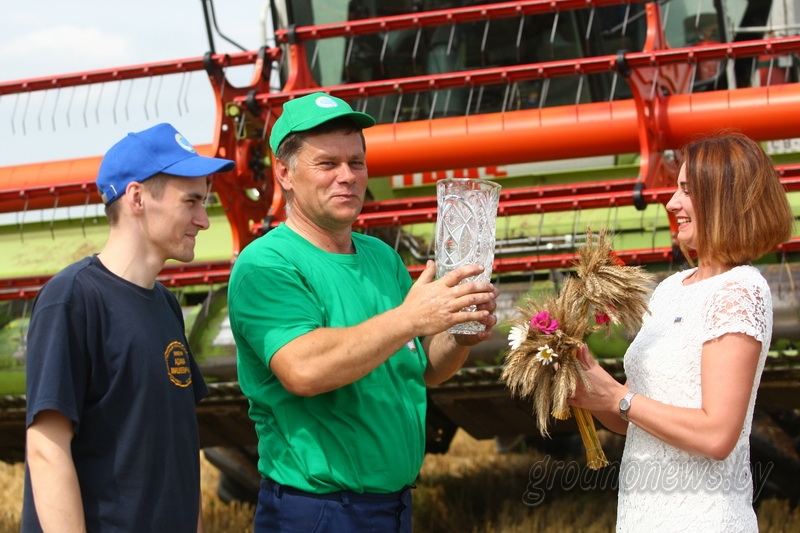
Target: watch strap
(625,405)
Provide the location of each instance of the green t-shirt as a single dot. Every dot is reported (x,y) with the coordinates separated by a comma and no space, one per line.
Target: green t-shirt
(368,436)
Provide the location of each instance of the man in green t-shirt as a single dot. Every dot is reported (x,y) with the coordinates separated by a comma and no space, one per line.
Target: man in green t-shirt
(335,344)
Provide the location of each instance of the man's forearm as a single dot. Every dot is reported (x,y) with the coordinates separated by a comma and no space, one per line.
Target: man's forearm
(329,358)
(445,357)
(56,492)
(200,516)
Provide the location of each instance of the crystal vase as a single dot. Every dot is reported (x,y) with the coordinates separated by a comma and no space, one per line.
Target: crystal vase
(465,231)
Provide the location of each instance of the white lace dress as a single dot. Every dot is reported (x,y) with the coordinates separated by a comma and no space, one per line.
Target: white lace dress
(662,488)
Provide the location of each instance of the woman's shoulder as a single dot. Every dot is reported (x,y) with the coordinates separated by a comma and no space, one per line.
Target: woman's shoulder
(744,276)
(740,284)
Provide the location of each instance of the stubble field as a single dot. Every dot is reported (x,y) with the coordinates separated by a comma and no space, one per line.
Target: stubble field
(472,488)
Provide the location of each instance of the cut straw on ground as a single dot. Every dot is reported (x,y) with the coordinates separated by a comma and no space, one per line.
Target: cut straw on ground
(473,488)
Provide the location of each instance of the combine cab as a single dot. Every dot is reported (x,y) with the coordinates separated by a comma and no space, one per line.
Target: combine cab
(574,106)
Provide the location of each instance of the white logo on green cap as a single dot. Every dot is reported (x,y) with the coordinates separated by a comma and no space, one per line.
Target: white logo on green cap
(326,101)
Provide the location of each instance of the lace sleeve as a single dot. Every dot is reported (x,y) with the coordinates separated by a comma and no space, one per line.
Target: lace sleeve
(737,307)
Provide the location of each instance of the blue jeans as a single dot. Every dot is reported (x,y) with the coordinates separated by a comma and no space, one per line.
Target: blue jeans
(288,510)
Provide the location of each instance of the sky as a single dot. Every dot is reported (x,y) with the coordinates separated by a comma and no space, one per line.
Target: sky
(49,37)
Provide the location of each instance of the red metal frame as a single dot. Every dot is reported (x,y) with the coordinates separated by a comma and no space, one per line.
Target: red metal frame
(550,199)
(131,72)
(439,17)
(212,273)
(501,138)
(646,60)
(662,115)
(300,76)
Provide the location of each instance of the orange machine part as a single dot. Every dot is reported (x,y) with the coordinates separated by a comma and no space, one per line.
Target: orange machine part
(62,183)
(585,130)
(501,138)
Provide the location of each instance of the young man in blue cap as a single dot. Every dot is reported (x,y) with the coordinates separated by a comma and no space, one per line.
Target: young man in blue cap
(335,345)
(112,438)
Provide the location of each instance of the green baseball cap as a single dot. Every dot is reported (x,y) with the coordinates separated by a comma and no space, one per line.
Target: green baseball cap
(308,112)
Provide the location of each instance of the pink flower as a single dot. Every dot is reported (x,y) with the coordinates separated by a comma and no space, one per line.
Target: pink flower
(544,323)
(602,318)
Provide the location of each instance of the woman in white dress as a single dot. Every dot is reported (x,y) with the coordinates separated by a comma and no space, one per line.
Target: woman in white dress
(694,368)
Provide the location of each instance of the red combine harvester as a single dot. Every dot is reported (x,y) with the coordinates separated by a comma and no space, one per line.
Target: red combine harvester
(574,106)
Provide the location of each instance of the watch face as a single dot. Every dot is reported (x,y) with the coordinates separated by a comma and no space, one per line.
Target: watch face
(624,405)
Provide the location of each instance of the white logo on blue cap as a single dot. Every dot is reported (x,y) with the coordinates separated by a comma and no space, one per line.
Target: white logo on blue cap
(326,101)
(183,143)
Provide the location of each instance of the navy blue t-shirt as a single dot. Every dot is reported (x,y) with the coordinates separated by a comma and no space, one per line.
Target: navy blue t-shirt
(113,357)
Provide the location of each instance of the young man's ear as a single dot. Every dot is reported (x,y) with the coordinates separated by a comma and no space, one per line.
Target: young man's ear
(133,195)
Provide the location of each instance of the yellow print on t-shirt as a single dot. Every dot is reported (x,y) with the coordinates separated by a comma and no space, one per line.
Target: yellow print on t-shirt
(177,358)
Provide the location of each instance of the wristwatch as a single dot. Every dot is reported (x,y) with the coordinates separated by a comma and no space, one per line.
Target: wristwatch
(625,405)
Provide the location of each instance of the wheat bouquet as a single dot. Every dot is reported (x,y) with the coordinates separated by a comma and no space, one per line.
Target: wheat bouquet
(542,363)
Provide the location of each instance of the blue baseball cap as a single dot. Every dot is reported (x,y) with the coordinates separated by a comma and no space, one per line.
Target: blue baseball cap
(160,149)
(308,112)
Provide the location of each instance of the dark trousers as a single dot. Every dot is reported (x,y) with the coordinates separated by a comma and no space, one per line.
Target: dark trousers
(287,510)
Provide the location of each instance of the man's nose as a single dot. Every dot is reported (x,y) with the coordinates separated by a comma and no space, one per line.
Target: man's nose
(201,219)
